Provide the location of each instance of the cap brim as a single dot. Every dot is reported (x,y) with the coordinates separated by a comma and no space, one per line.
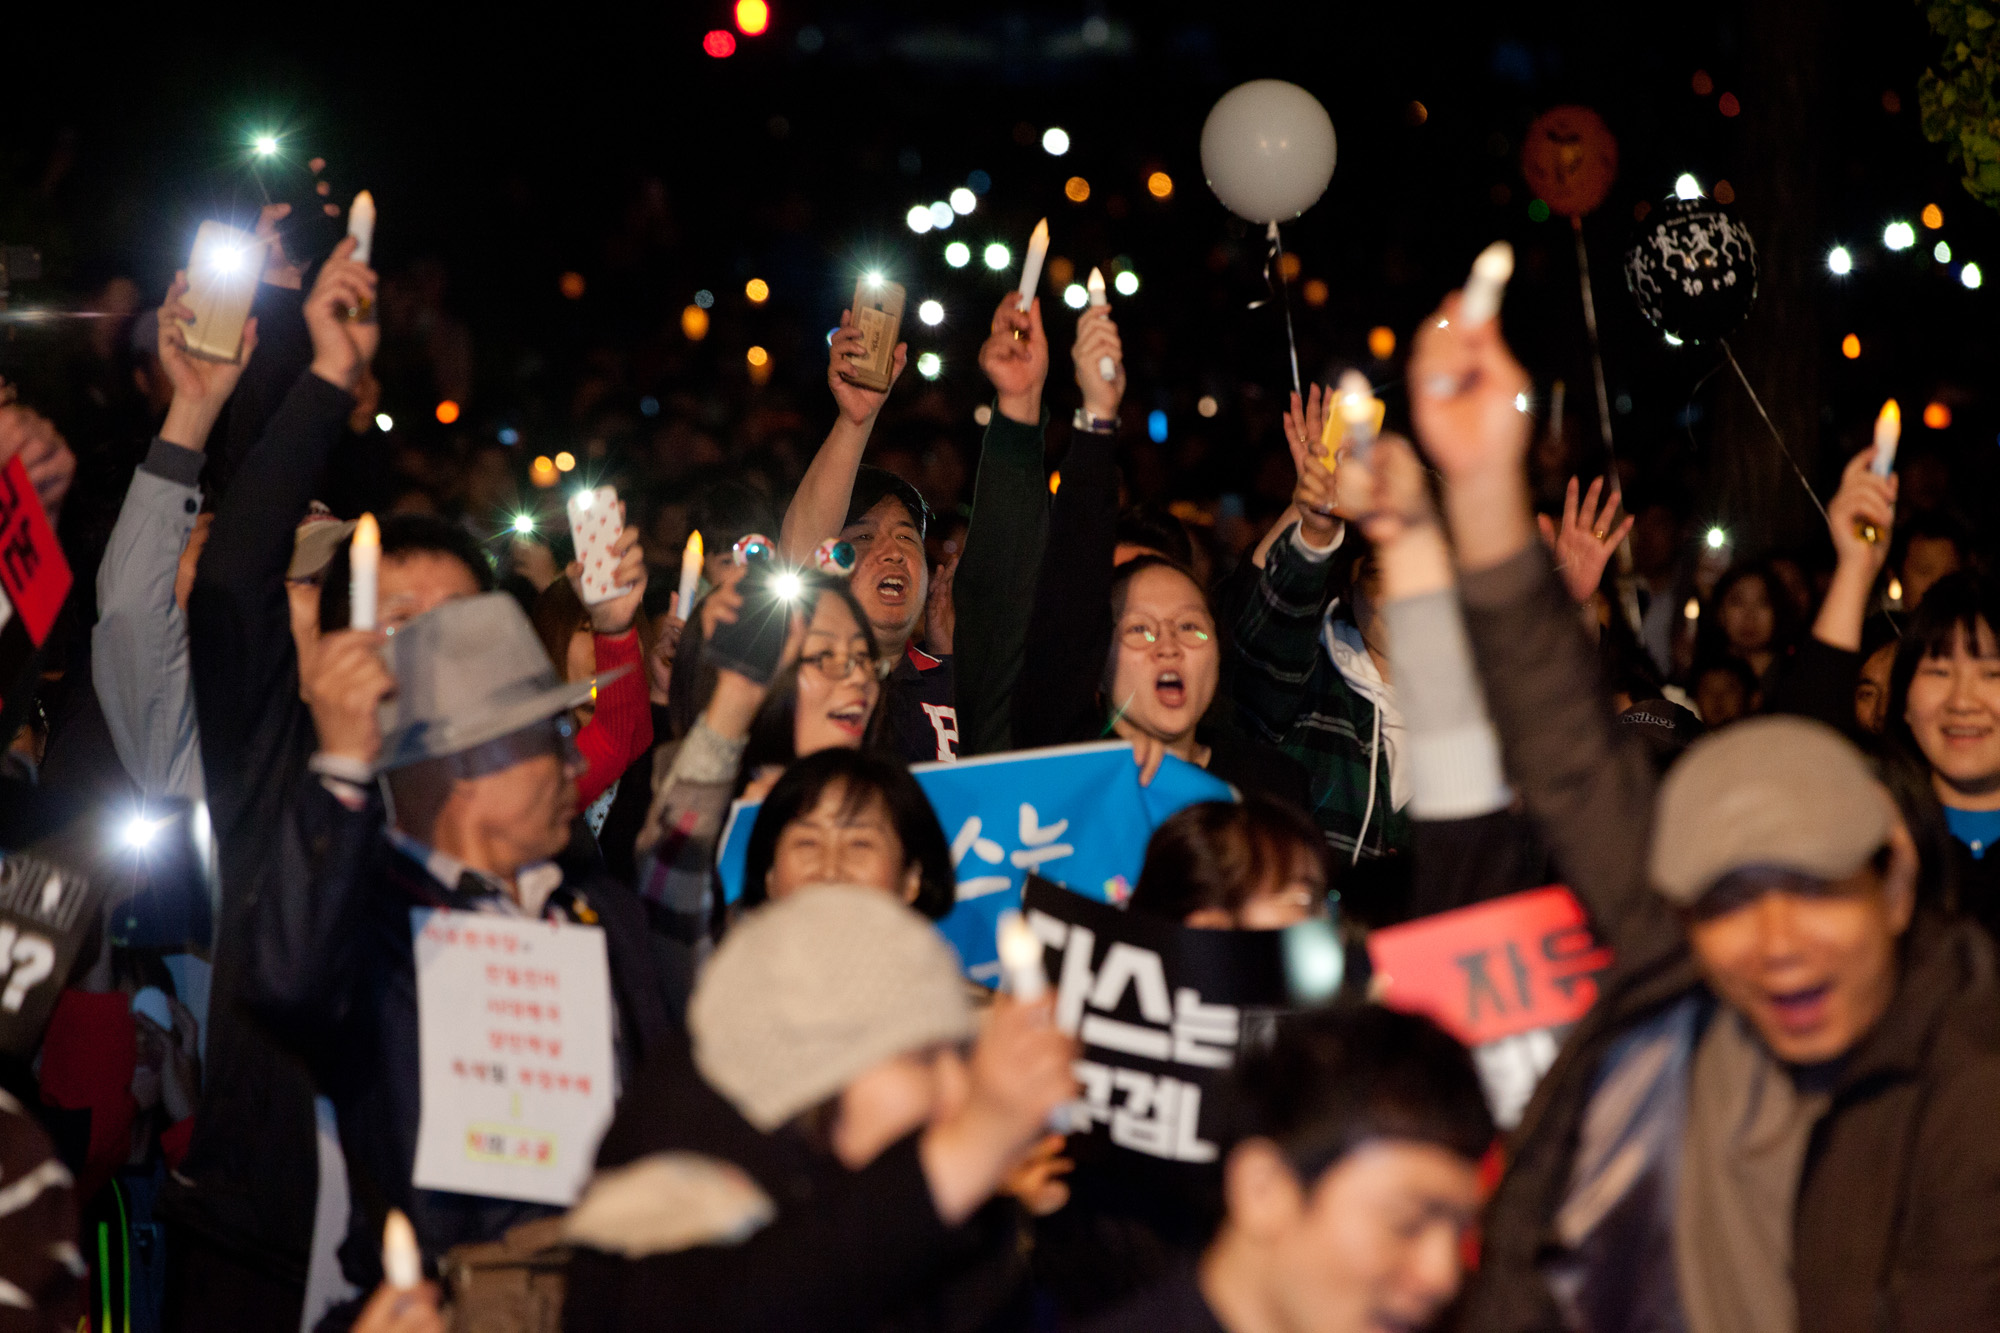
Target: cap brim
(413,745)
(313,551)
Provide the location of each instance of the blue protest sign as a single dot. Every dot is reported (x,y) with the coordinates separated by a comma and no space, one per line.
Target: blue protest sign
(1074,814)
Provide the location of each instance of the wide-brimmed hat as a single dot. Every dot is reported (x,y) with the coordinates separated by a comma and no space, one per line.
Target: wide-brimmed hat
(469,672)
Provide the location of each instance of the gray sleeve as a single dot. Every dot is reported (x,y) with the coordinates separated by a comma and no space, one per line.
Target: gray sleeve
(1454,751)
(139,649)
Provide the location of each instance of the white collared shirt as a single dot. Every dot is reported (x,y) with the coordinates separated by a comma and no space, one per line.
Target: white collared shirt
(533,884)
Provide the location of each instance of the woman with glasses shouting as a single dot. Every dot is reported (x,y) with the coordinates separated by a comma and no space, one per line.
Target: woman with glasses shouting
(738,734)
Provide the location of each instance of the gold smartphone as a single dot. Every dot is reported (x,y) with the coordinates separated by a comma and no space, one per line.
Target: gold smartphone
(878,313)
(223,273)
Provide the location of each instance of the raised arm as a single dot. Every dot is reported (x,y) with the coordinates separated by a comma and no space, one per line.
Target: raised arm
(621,726)
(1276,637)
(819,507)
(139,648)
(240,647)
(1591,795)
(994,585)
(1819,680)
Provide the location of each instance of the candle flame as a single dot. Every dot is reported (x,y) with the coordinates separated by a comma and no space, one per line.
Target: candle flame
(1891,413)
(367,532)
(693,553)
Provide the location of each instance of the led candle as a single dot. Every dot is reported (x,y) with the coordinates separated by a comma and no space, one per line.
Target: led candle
(1106,367)
(364,559)
(1888,430)
(691,558)
(1360,413)
(1021,958)
(361,225)
(402,1261)
(1031,271)
(1487,284)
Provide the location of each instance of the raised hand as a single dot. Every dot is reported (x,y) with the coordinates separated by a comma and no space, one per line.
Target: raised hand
(857,404)
(615,615)
(940,612)
(42,450)
(201,386)
(342,347)
(280,270)
(1096,338)
(1018,366)
(1386,494)
(1863,497)
(1468,395)
(1587,539)
(1305,422)
(1314,495)
(345,680)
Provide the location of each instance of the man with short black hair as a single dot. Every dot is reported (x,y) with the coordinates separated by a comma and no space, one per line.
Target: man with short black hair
(1349,1191)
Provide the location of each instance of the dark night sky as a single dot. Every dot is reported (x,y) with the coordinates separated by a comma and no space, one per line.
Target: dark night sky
(513,149)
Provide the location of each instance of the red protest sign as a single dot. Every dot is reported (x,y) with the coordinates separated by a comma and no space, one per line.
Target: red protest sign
(33,572)
(1514,965)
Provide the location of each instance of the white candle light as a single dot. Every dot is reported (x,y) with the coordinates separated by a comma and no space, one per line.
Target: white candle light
(691,559)
(1106,367)
(1360,412)
(361,225)
(1888,430)
(1031,270)
(402,1261)
(364,560)
(1021,958)
(1487,284)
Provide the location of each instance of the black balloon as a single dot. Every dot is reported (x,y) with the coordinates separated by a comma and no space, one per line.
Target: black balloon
(1693,270)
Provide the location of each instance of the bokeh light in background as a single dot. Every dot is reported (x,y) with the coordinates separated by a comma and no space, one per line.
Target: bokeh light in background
(1850,346)
(930,365)
(942,215)
(1936,415)
(1127,283)
(752,17)
(757,290)
(1160,185)
(720,43)
(1941,252)
(931,312)
(998,256)
(447,412)
(384,422)
(1288,266)
(919,218)
(1933,216)
(1060,270)
(1055,142)
(565,461)
(963,201)
(1381,342)
(958,254)
(1075,297)
(1315,293)
(1206,405)
(1899,236)
(1839,262)
(1971,276)
(543,472)
(1077,189)
(694,323)
(571,286)
(757,356)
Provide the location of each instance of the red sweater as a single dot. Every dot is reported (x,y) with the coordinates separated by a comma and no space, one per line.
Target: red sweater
(622,727)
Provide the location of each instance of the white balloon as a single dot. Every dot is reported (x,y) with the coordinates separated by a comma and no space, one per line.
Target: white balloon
(1267,150)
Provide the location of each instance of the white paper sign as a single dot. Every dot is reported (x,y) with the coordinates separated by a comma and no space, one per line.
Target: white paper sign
(514,1041)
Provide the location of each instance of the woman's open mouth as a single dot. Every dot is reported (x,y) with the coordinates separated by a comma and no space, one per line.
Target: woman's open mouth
(1169,689)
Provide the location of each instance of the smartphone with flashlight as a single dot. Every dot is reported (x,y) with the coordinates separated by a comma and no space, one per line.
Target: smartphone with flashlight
(878,313)
(595,520)
(754,642)
(222,274)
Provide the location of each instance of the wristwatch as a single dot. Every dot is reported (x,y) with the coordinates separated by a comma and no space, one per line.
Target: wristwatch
(1091,424)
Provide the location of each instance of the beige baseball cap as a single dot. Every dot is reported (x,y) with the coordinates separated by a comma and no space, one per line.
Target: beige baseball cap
(315,541)
(1778,793)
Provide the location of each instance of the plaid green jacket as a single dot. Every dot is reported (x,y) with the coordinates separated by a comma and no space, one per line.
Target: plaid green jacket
(1287,691)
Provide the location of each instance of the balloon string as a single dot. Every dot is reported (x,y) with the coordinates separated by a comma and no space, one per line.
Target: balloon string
(1737,366)
(1596,356)
(1274,274)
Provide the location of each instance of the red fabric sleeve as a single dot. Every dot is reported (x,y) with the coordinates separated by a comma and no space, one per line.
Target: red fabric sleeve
(174,1141)
(622,727)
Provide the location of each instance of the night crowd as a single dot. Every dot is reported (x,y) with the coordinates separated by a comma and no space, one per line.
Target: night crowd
(1772,784)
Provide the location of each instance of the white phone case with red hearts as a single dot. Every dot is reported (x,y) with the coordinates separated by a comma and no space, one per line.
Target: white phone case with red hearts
(595,520)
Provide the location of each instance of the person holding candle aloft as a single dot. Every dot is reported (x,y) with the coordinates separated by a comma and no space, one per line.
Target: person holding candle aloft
(241,1211)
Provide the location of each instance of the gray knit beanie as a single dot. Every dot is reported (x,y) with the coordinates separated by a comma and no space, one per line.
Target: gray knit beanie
(807,993)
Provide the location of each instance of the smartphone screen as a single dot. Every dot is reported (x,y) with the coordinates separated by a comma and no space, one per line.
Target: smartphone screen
(223,272)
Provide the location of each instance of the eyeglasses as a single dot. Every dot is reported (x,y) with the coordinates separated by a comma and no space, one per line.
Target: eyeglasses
(837,666)
(1142,633)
